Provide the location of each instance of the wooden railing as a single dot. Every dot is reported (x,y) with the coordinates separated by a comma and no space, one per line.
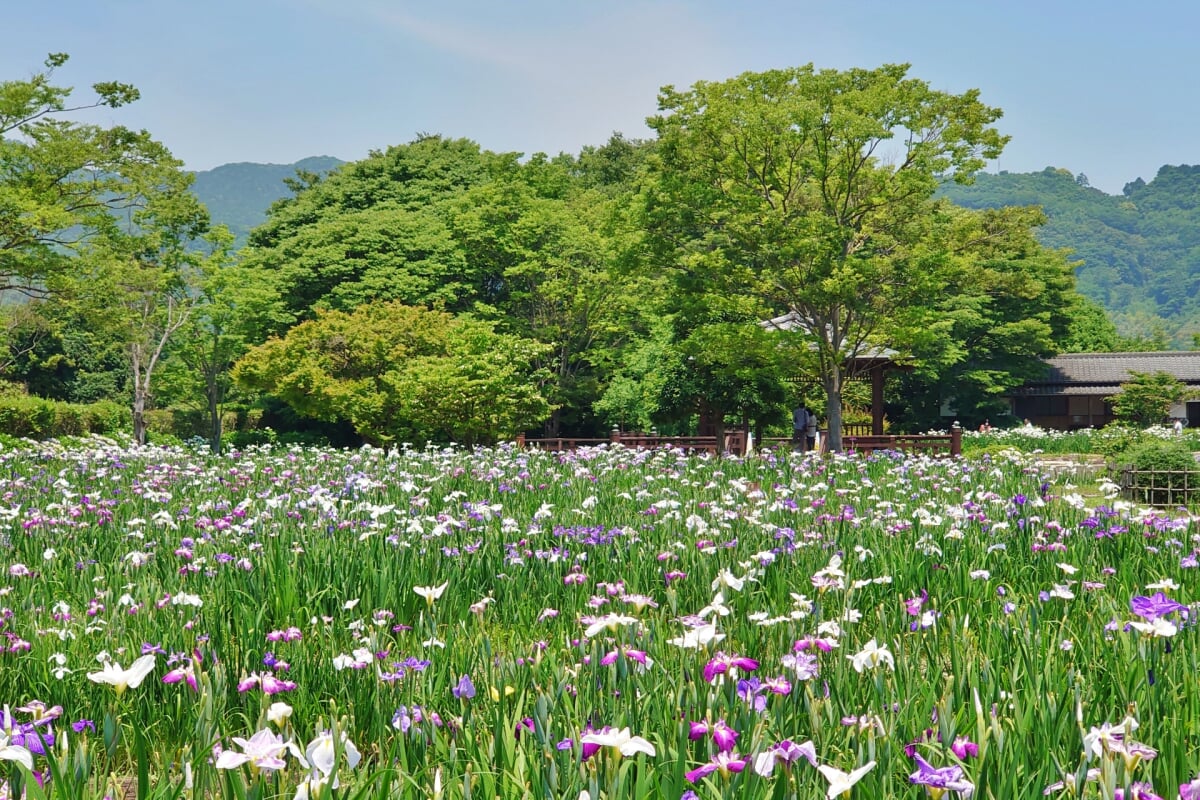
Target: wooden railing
(735,442)
(938,444)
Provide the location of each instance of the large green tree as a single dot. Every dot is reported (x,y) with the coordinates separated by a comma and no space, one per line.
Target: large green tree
(139,282)
(442,224)
(810,191)
(374,230)
(64,183)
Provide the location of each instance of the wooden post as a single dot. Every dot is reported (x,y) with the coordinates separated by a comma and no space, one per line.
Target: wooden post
(521,441)
(955,440)
(877,400)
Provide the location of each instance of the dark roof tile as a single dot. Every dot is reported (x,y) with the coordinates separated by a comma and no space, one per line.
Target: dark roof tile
(1111,369)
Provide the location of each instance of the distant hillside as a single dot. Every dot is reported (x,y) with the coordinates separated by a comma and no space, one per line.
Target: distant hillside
(1140,251)
(239,194)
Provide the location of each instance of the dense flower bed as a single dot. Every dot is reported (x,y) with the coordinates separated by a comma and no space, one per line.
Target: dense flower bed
(441,623)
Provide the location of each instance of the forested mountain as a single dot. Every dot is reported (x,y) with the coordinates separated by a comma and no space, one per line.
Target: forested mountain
(239,195)
(1139,252)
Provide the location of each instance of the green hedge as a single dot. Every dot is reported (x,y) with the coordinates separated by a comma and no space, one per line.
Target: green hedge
(24,416)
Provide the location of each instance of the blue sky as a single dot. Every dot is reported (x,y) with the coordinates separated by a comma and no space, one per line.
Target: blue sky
(1103,87)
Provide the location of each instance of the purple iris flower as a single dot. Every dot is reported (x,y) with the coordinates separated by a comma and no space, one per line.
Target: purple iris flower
(1140,791)
(465,689)
(589,749)
(1155,606)
(945,778)
(786,753)
(964,748)
(724,736)
(27,734)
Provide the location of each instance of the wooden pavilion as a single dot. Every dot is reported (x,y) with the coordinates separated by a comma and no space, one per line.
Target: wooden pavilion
(871,364)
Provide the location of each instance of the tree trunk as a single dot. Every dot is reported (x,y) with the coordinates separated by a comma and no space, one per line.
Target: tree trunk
(833,407)
(214,417)
(139,396)
(139,416)
(553,424)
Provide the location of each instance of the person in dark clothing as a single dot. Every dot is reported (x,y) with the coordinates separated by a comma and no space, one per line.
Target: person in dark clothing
(802,419)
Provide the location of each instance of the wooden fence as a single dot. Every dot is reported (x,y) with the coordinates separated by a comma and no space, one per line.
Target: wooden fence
(949,444)
(1165,488)
(735,442)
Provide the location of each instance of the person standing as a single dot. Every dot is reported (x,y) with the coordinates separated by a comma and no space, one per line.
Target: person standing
(801,417)
(810,433)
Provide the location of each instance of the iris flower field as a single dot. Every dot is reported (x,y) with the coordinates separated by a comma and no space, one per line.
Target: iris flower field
(609,623)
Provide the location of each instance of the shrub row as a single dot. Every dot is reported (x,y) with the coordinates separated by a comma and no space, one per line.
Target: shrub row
(24,416)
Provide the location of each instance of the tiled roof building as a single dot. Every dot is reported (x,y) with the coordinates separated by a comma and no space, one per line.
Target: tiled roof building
(1074,391)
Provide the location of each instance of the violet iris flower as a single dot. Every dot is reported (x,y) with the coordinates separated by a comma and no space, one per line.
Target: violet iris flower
(465,689)
(787,753)
(941,779)
(1156,606)
(27,734)
(964,748)
(724,736)
(589,749)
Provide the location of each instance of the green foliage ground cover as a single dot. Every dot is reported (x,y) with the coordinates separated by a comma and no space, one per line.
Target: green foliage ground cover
(469,624)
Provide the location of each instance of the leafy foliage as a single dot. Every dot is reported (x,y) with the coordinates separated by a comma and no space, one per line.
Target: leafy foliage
(1146,398)
(62,183)
(400,373)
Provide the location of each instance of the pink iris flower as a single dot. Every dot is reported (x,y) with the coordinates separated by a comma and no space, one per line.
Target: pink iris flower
(723,762)
(721,663)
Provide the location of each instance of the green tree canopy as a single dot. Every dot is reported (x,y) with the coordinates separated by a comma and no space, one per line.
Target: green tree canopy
(1146,398)
(1007,304)
(810,191)
(442,224)
(62,183)
(401,373)
(374,230)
